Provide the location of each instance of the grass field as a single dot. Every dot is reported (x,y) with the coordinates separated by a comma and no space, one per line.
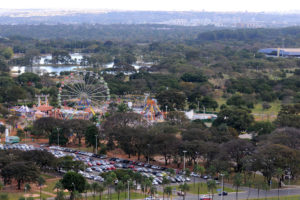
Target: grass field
(123,196)
(255,179)
(259,113)
(296,197)
(203,188)
(16,196)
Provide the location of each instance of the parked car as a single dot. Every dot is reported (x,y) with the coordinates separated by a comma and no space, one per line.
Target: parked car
(224,193)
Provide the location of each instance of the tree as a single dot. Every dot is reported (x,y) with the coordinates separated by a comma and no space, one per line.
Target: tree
(237,182)
(44,126)
(237,118)
(79,127)
(87,188)
(60,195)
(58,187)
(100,189)
(174,100)
(60,57)
(92,136)
(28,78)
(1,185)
(4,197)
(73,181)
(176,118)
(168,191)
(3,65)
(289,116)
(262,128)
(41,181)
(164,182)
(20,171)
(198,169)
(279,173)
(94,187)
(59,135)
(194,77)
(67,163)
(211,186)
(153,190)
(184,188)
(269,157)
(236,150)
(119,188)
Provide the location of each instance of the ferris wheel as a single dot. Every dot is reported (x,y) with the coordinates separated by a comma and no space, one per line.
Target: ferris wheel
(84,89)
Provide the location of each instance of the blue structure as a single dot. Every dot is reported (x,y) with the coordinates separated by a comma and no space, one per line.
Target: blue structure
(281,52)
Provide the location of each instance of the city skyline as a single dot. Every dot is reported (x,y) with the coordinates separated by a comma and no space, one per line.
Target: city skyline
(156,5)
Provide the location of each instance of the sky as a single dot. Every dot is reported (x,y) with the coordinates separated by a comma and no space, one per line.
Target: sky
(168,5)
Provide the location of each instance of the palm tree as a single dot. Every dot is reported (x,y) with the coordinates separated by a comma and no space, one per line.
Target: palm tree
(109,179)
(211,186)
(168,191)
(184,188)
(100,189)
(148,184)
(94,188)
(164,181)
(153,190)
(119,188)
(279,173)
(249,183)
(27,187)
(87,187)
(58,186)
(77,195)
(41,181)
(237,182)
(1,185)
(60,196)
(198,170)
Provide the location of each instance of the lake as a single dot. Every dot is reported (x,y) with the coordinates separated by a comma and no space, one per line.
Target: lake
(44,68)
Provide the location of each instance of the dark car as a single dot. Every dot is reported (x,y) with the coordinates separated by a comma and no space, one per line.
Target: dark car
(224,193)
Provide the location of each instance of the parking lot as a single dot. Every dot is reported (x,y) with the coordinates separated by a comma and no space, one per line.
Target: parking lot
(97,164)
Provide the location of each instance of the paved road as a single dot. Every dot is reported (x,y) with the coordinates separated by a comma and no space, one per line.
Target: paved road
(253,193)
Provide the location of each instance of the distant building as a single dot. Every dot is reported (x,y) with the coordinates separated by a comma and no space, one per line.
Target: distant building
(281,52)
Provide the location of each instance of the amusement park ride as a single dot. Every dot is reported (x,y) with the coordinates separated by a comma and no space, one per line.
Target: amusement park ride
(151,110)
(85,94)
(82,95)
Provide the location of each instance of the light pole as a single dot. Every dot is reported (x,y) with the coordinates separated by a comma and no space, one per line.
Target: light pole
(96,136)
(289,173)
(184,159)
(128,190)
(184,165)
(148,153)
(222,175)
(25,189)
(57,136)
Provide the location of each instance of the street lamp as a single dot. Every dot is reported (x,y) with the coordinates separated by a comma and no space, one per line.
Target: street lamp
(184,159)
(222,175)
(96,143)
(128,190)
(148,153)
(57,136)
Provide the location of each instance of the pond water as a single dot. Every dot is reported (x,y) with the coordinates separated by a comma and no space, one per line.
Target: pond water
(48,68)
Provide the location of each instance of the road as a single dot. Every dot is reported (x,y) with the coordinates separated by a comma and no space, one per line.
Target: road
(246,194)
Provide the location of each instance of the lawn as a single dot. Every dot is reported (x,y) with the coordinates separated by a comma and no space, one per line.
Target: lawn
(257,178)
(203,188)
(259,113)
(123,195)
(16,196)
(296,197)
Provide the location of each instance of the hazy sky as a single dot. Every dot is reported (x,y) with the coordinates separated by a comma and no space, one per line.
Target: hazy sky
(198,5)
